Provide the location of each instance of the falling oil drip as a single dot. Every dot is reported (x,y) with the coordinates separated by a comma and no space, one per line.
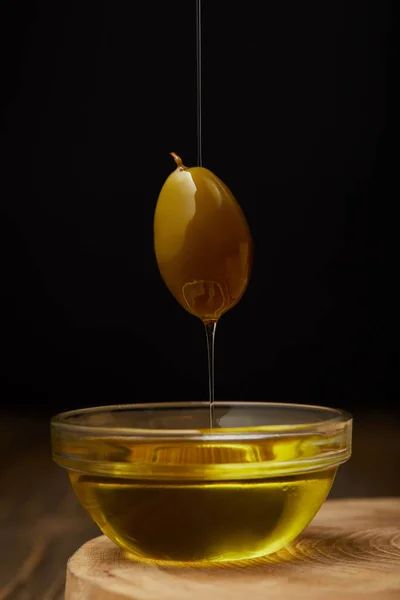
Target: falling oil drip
(210,334)
(210,326)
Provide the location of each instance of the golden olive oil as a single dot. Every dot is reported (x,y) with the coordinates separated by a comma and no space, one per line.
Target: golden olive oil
(197,503)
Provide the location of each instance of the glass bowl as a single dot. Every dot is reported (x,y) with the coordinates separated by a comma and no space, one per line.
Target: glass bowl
(165,487)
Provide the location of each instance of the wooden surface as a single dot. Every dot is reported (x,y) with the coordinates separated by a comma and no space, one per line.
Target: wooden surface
(42,524)
(351,551)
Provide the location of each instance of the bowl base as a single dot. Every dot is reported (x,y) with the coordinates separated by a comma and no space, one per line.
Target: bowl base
(207,521)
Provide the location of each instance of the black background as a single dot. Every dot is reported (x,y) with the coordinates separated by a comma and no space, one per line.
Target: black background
(297,121)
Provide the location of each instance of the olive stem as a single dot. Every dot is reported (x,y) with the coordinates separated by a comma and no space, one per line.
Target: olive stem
(177,160)
(210,335)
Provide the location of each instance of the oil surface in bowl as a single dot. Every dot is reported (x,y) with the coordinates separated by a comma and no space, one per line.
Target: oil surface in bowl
(203,518)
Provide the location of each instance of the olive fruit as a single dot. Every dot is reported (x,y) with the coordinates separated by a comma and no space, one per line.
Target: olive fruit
(202,242)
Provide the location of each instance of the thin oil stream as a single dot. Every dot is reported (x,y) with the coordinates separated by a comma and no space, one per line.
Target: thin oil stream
(199,83)
(211,326)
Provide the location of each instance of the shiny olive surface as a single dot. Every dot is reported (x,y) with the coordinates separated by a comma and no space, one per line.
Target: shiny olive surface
(202,242)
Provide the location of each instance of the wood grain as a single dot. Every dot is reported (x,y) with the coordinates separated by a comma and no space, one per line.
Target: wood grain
(351,550)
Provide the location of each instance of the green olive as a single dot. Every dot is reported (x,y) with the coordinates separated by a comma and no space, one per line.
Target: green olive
(202,242)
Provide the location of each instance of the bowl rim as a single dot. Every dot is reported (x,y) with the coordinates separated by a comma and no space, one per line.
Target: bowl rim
(339,419)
